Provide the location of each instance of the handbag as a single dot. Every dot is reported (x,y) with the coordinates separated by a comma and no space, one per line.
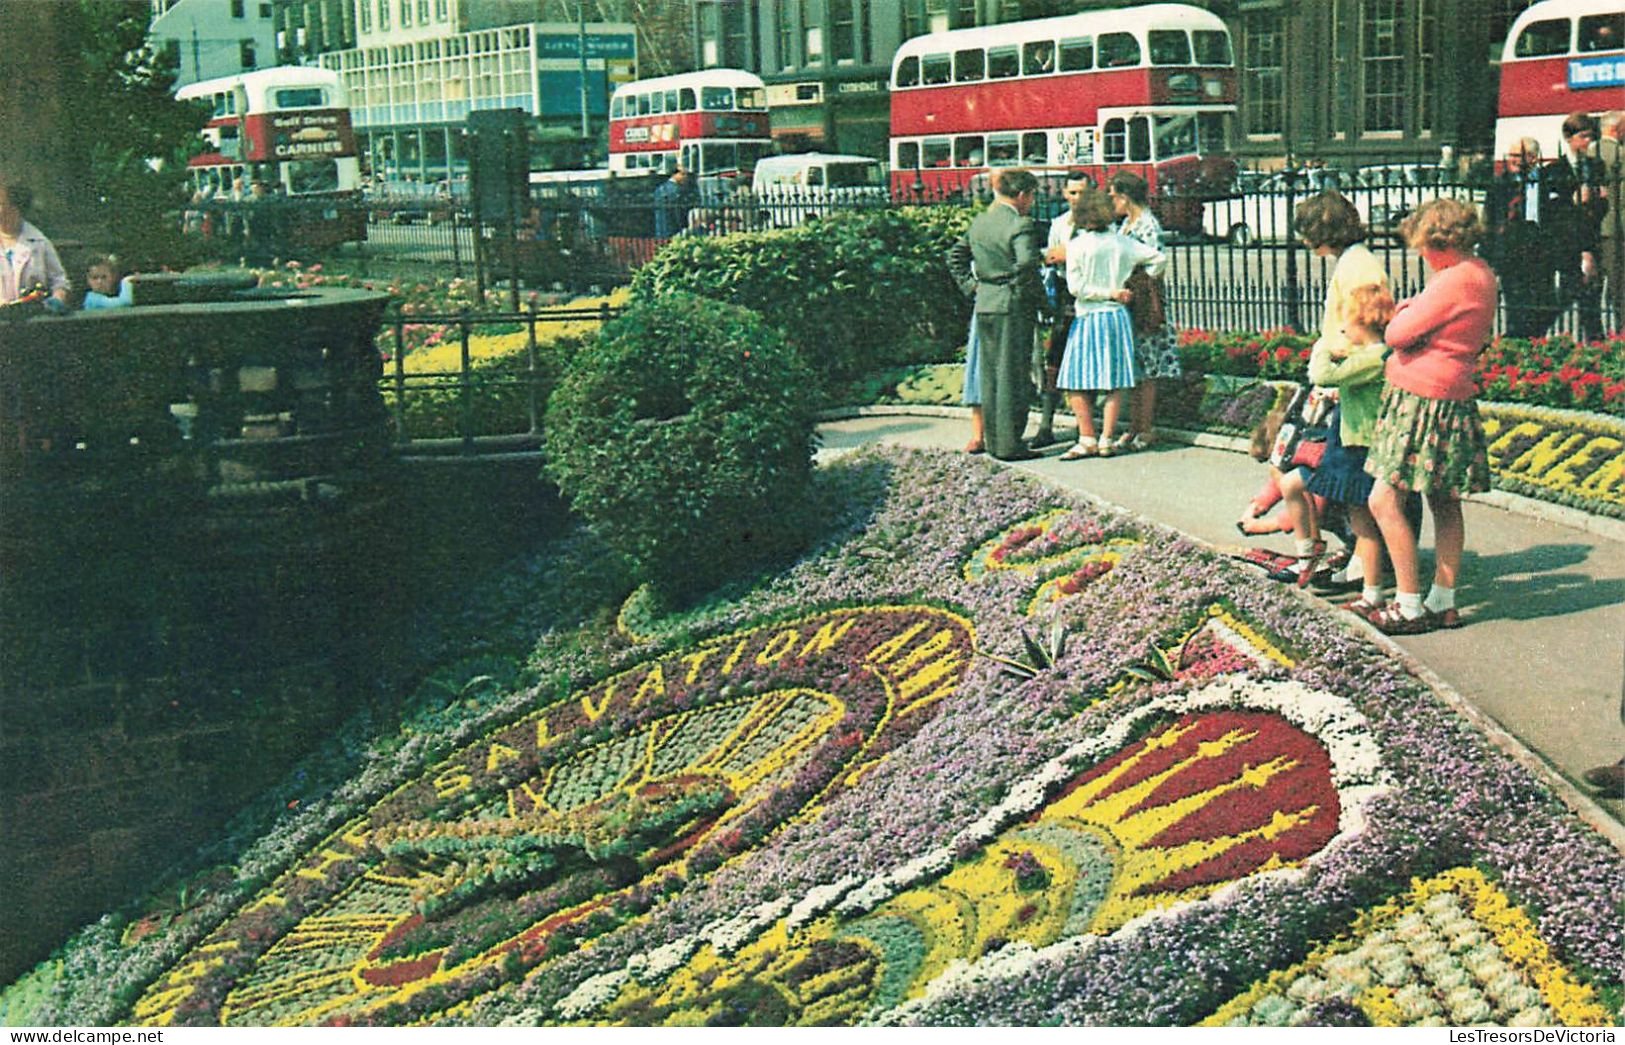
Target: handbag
(1147,310)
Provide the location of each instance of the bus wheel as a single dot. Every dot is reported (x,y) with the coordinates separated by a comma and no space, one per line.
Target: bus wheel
(1240,236)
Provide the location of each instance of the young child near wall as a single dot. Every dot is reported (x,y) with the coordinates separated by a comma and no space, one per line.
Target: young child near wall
(1355,369)
(109,287)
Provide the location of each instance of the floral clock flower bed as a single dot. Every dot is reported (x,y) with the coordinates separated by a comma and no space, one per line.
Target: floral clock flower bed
(826,798)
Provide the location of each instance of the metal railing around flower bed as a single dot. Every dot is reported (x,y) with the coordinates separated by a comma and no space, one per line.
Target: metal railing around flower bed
(489,398)
(1235,262)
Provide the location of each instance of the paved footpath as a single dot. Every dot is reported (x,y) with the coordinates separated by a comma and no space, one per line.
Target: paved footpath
(1542,655)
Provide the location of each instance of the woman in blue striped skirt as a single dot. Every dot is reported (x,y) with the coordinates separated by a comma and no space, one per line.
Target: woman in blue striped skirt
(971,394)
(1100,349)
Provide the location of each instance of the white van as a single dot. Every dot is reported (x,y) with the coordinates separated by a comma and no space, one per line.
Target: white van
(794,188)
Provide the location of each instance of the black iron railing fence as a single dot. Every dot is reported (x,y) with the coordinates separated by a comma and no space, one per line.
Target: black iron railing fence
(1235,261)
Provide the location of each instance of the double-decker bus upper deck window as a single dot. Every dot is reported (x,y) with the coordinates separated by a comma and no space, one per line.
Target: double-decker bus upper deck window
(716,99)
(1169,47)
(1176,135)
(1003,63)
(299,98)
(937,152)
(1077,54)
(1540,39)
(1003,150)
(969,151)
(969,65)
(1118,50)
(1602,33)
(671,101)
(752,98)
(908,71)
(1038,58)
(1212,47)
(643,105)
(616,105)
(935,69)
(1035,147)
(908,156)
(685,100)
(657,103)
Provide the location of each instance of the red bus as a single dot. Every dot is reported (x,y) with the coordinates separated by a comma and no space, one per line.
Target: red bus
(1151,89)
(712,122)
(290,127)
(1561,56)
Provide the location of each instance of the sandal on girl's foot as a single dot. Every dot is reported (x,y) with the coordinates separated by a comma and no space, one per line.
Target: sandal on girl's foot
(1391,620)
(1446,619)
(1288,574)
(1361,608)
(975,447)
(1310,563)
(1085,447)
(1108,448)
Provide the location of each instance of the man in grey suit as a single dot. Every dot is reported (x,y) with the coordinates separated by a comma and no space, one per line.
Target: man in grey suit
(1006,250)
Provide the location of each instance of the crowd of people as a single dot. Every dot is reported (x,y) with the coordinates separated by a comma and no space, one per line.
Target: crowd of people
(1388,420)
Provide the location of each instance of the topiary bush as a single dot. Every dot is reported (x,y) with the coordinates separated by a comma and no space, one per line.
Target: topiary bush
(852,291)
(683,435)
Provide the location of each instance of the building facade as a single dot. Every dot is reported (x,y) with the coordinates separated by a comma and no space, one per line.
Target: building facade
(210,38)
(1337,80)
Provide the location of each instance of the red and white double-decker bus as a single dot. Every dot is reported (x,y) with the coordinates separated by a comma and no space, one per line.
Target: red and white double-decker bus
(1151,89)
(290,127)
(1560,57)
(713,122)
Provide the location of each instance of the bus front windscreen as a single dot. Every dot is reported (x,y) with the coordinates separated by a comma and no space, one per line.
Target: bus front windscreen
(307,176)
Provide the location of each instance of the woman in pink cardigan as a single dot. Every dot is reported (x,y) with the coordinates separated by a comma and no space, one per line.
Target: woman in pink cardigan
(1428,437)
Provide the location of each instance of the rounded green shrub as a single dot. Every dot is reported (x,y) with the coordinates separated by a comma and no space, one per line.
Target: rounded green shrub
(683,435)
(853,291)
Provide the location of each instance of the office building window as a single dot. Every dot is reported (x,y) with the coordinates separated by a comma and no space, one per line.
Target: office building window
(842,32)
(812,36)
(1382,65)
(265,10)
(735,35)
(364,17)
(1427,59)
(406,13)
(786,35)
(865,32)
(423,12)
(246,54)
(238,9)
(964,13)
(441,11)
(710,36)
(1500,14)
(383,14)
(1262,88)
(924,16)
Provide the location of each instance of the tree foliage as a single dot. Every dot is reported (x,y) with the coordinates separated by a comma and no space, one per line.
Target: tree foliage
(121,99)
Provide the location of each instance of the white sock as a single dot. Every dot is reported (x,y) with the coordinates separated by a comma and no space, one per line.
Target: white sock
(1354,571)
(1305,547)
(1371,596)
(1410,604)
(1440,599)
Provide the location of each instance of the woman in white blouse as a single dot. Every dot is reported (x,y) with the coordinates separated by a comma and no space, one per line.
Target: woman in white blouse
(1100,349)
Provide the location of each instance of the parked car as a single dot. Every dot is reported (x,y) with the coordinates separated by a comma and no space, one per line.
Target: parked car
(1262,212)
(1385,194)
(791,189)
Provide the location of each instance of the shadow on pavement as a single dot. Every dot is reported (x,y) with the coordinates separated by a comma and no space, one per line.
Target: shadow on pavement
(1534,582)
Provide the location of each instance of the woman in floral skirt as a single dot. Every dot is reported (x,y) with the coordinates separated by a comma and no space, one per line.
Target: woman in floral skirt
(1157,354)
(1428,437)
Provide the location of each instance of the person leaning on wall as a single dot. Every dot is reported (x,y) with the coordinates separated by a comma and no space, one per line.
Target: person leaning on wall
(27,258)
